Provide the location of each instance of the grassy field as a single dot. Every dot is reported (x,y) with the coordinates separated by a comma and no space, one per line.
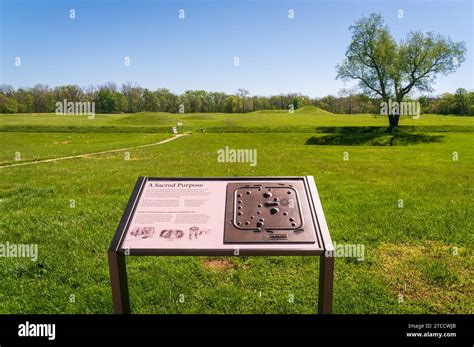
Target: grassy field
(418,258)
(307,119)
(35,146)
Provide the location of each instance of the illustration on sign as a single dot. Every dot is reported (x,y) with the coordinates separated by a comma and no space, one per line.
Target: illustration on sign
(177,213)
(143,232)
(171,234)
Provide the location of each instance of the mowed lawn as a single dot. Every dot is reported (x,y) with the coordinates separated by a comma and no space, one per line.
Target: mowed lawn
(18,147)
(306,119)
(418,257)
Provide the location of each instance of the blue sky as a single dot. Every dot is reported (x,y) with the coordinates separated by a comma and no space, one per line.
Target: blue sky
(276,54)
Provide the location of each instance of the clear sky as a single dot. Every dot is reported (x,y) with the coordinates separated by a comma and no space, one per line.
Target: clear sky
(276,54)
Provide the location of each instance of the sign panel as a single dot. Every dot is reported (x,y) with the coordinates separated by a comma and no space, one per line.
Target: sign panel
(250,216)
(213,214)
(178,214)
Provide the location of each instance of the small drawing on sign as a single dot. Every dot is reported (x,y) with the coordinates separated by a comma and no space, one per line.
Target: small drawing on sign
(143,232)
(171,234)
(194,232)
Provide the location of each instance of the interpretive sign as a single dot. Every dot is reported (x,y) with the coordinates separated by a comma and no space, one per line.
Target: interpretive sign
(222,216)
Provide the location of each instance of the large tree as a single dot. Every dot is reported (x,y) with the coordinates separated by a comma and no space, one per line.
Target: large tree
(389,69)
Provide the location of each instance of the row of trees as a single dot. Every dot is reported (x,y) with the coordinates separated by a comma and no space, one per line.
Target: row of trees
(460,103)
(131,98)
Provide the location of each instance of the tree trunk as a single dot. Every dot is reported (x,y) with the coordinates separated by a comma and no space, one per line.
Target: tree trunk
(392,122)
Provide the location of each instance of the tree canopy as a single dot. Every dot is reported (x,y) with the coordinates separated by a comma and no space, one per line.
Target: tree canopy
(389,69)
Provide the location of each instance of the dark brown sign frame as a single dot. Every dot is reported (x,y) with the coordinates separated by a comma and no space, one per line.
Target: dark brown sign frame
(323,246)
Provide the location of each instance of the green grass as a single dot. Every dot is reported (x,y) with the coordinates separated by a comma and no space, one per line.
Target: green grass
(305,120)
(409,251)
(34,146)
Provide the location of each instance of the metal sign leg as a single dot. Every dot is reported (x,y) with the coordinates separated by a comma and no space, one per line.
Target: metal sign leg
(326,277)
(118,279)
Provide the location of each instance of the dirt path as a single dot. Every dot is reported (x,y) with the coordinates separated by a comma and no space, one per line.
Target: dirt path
(93,153)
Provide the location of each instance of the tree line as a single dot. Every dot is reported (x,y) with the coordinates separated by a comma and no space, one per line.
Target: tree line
(131,98)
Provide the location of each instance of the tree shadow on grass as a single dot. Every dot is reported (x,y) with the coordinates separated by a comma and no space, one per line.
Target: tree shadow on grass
(399,129)
(373,139)
(352,130)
